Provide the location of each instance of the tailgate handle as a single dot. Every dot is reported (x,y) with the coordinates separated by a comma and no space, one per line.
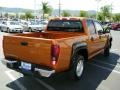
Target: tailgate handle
(24,43)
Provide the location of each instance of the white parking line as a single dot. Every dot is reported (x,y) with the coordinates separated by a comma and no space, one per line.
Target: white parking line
(106,63)
(44,84)
(105,68)
(8,73)
(115,50)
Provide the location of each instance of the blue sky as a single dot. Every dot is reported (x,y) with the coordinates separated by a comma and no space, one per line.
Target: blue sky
(65,4)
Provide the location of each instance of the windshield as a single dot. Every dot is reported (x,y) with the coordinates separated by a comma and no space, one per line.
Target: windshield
(14,23)
(34,23)
(65,25)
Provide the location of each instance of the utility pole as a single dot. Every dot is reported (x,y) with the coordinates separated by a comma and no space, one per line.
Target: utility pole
(97,7)
(111,11)
(59,8)
(35,10)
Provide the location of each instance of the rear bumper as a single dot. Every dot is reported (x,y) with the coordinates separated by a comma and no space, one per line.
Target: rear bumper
(35,70)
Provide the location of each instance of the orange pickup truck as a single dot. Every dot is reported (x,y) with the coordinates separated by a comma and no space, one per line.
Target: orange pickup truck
(64,46)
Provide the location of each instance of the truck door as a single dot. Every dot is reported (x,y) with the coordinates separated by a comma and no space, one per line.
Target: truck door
(93,41)
(102,37)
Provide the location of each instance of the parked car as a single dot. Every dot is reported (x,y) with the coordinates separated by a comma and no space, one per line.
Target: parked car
(11,26)
(107,26)
(116,26)
(64,46)
(0,25)
(34,26)
(44,24)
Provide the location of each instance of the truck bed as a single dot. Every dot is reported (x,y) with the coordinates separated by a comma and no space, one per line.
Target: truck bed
(49,35)
(32,47)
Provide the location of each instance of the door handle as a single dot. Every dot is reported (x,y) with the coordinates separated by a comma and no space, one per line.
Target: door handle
(24,43)
(92,38)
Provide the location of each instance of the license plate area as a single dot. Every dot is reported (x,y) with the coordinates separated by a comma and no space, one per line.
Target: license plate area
(26,66)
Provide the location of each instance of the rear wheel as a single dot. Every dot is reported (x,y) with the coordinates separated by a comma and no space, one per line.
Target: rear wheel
(77,67)
(25,75)
(8,30)
(30,29)
(107,50)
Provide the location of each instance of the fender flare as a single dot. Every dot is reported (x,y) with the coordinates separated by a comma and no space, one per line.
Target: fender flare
(78,46)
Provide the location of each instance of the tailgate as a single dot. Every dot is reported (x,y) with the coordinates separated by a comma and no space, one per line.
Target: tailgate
(33,50)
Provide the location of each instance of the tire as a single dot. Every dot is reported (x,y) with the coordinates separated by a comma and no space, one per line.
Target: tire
(21,31)
(8,30)
(29,29)
(1,30)
(107,51)
(26,75)
(77,67)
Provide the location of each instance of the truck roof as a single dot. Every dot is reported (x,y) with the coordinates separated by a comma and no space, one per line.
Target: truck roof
(69,18)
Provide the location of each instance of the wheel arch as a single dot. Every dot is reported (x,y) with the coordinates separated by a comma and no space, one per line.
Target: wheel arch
(79,48)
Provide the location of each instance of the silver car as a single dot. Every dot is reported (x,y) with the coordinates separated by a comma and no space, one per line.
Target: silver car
(11,26)
(35,26)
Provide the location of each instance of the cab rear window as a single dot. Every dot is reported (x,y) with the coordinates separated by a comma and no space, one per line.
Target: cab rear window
(65,25)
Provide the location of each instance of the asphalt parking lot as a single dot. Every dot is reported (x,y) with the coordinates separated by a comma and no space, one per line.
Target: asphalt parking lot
(101,73)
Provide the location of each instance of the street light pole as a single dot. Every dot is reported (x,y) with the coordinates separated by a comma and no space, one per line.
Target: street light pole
(59,8)
(35,9)
(97,8)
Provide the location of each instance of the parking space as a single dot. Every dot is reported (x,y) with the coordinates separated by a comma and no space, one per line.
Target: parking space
(101,73)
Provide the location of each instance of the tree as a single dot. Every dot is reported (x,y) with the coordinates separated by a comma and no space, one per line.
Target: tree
(100,16)
(106,12)
(83,13)
(28,15)
(11,16)
(116,17)
(22,16)
(46,9)
(66,13)
(91,15)
(6,15)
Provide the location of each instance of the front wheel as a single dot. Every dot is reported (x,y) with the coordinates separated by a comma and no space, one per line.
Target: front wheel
(107,50)
(78,67)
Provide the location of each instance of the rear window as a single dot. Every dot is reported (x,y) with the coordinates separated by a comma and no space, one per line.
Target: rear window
(14,23)
(65,25)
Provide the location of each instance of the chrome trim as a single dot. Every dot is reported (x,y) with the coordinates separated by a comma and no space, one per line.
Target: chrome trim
(45,73)
(6,61)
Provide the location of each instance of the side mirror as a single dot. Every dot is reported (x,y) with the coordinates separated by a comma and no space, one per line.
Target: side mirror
(100,32)
(107,30)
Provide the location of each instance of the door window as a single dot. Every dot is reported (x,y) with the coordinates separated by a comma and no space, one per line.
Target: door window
(91,27)
(98,26)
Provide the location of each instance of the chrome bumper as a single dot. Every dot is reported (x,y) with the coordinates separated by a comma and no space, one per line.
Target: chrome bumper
(42,72)
(5,62)
(45,73)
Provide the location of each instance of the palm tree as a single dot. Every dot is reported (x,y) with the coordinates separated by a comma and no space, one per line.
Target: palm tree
(46,9)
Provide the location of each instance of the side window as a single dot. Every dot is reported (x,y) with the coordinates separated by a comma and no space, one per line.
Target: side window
(91,27)
(98,26)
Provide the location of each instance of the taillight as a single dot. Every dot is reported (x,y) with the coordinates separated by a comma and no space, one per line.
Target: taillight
(55,50)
